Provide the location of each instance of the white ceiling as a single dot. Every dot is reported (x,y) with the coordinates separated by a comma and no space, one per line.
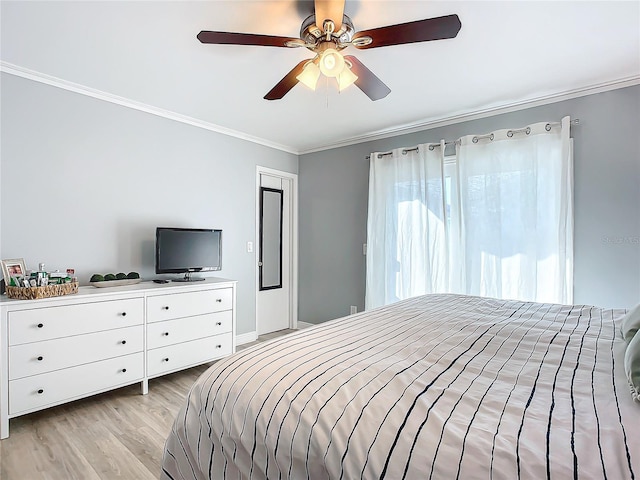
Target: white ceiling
(145,54)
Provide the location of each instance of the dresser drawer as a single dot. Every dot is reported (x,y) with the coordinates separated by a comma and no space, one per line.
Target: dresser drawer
(54,322)
(171,306)
(183,355)
(39,391)
(169,332)
(41,357)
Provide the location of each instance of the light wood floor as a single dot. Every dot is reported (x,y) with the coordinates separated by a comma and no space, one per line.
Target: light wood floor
(115,435)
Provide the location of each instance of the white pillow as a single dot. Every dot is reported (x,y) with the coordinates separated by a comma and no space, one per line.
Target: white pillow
(630,323)
(632,366)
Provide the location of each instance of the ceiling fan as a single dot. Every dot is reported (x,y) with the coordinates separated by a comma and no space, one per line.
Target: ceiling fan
(329,31)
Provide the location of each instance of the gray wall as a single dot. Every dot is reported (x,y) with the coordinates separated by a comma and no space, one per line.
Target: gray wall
(334,190)
(84,183)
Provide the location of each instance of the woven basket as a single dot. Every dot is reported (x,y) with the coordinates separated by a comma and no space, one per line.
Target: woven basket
(32,293)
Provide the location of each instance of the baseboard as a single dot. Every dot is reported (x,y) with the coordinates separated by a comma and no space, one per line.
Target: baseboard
(253,336)
(246,338)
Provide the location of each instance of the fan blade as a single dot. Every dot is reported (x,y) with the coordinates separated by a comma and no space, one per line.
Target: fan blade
(228,38)
(329,10)
(371,85)
(437,28)
(287,83)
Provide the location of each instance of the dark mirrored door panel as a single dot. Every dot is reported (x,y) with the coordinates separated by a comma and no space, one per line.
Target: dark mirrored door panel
(270,262)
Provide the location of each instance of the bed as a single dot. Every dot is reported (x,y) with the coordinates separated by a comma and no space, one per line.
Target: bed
(433,387)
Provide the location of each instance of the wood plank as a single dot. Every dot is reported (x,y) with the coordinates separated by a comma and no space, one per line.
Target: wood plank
(117,434)
(36,452)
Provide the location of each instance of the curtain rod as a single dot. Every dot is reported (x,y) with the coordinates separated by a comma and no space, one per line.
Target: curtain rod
(527,130)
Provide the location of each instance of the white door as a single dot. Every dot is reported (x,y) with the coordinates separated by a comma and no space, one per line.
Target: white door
(275,246)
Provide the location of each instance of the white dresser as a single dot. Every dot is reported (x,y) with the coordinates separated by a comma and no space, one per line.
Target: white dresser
(59,349)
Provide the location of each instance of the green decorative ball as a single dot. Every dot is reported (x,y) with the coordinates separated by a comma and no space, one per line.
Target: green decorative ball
(133,275)
(110,276)
(121,276)
(96,277)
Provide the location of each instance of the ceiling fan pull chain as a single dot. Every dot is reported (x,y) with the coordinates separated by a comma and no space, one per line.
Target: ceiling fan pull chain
(326,89)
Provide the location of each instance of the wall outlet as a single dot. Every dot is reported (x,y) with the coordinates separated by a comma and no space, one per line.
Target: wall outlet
(354,309)
(364,248)
(249,247)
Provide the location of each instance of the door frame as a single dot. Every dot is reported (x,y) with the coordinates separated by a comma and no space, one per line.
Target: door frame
(293,251)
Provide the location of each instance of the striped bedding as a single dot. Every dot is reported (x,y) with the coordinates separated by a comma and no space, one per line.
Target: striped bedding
(434,387)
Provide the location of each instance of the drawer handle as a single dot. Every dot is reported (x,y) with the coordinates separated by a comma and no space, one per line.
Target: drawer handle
(165,359)
(165,307)
(166,334)
(124,370)
(123,342)
(219,300)
(40,325)
(218,323)
(40,358)
(218,346)
(40,392)
(124,314)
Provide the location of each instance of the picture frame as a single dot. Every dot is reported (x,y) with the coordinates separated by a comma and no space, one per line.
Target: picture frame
(12,268)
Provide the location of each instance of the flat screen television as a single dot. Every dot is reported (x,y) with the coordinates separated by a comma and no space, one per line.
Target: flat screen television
(188,250)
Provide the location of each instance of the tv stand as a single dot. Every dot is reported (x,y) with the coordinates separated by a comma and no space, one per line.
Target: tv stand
(188,278)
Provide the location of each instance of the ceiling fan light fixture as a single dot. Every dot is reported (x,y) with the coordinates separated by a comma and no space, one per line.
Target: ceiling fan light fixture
(326,39)
(346,78)
(309,75)
(331,63)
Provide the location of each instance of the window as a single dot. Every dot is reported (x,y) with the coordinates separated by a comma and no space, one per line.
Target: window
(494,220)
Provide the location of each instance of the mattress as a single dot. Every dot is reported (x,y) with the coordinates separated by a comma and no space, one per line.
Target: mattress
(433,387)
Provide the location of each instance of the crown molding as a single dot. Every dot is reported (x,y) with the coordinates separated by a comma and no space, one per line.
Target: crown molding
(126,102)
(477,114)
(367,137)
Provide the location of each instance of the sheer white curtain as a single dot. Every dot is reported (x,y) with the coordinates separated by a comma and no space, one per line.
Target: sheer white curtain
(515,192)
(406,227)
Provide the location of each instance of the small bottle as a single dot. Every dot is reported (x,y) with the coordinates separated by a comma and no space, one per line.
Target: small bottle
(71,275)
(41,275)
